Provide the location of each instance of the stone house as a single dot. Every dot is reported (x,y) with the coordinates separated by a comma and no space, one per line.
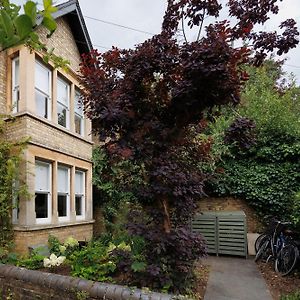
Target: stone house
(57,164)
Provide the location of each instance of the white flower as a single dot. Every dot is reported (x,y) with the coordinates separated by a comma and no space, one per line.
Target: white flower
(53,261)
(60,260)
(53,258)
(47,263)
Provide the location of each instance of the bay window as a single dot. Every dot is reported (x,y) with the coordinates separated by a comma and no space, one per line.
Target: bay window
(78,116)
(80,194)
(63,193)
(15,84)
(42,192)
(42,90)
(63,102)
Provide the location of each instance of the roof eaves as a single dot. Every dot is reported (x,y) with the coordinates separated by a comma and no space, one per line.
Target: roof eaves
(72,7)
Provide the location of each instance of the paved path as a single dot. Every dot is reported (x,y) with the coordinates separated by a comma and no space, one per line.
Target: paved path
(235,279)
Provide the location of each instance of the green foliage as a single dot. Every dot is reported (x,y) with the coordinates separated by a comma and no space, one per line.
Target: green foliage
(293,296)
(113,181)
(275,110)
(54,245)
(92,262)
(11,186)
(33,262)
(268,187)
(138,266)
(18,28)
(296,210)
(266,175)
(62,249)
(82,295)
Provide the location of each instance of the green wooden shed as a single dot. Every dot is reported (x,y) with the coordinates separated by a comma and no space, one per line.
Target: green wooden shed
(224,231)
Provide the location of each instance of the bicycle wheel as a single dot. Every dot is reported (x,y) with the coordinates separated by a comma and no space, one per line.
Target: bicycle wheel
(263,250)
(258,242)
(287,259)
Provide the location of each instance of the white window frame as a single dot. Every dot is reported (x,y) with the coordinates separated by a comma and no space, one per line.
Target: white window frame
(66,106)
(67,194)
(46,220)
(48,96)
(15,89)
(78,113)
(82,195)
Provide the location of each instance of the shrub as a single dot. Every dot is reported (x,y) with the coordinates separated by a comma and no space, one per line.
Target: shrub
(265,173)
(293,296)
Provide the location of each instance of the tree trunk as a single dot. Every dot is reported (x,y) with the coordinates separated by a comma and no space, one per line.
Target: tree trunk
(167,221)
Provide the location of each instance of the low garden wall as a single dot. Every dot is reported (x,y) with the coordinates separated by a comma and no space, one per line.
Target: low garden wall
(19,283)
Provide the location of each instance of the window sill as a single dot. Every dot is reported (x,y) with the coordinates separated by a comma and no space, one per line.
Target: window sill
(50,226)
(54,125)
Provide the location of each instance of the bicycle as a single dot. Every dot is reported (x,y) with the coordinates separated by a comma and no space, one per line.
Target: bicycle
(287,257)
(278,244)
(272,241)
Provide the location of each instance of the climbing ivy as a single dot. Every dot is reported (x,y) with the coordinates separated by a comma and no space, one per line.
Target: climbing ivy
(11,186)
(267,172)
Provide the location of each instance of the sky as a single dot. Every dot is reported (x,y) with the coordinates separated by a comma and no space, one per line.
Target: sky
(147,15)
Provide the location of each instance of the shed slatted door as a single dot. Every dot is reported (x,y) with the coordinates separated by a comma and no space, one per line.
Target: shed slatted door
(206,225)
(225,232)
(232,235)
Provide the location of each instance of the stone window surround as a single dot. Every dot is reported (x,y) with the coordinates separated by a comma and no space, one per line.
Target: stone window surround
(54,218)
(27,59)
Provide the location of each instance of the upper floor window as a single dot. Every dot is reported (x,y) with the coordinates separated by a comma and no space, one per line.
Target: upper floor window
(78,117)
(63,103)
(42,192)
(42,90)
(15,84)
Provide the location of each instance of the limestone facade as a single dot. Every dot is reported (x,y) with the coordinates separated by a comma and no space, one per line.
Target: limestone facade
(59,144)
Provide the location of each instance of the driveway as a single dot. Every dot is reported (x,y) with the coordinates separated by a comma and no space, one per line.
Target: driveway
(235,279)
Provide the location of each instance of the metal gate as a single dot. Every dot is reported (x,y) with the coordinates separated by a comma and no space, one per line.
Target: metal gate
(225,232)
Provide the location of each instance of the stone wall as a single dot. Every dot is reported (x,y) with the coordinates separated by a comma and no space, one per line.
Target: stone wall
(19,283)
(232,204)
(63,42)
(39,235)
(45,133)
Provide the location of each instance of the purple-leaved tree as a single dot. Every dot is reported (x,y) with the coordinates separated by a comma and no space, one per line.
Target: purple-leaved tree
(143,101)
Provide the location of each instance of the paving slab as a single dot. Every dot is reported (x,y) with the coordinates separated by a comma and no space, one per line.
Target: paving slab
(234,278)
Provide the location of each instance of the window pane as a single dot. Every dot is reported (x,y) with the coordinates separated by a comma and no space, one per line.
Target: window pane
(79,184)
(78,104)
(41,205)
(62,180)
(16,72)
(61,115)
(78,124)
(41,104)
(62,92)
(42,177)
(62,205)
(78,205)
(42,78)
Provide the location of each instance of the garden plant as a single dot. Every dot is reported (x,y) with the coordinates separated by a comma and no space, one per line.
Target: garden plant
(147,106)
